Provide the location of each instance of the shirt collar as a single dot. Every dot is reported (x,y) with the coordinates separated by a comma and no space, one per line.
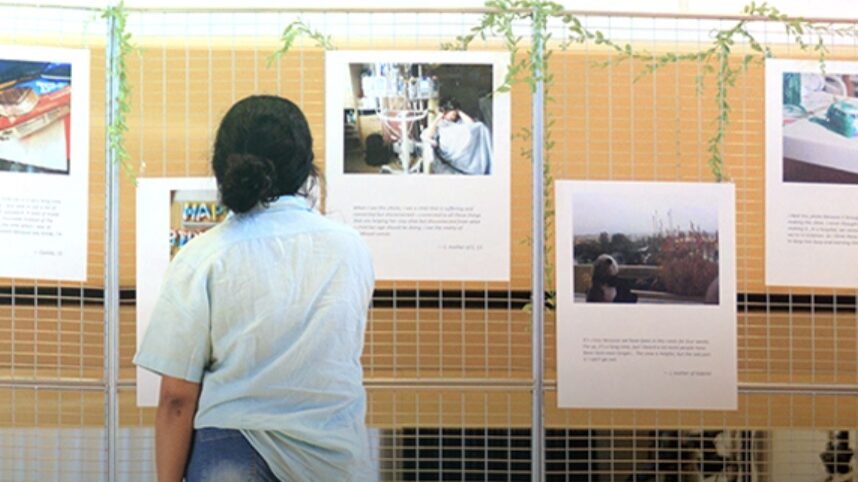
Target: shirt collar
(283,203)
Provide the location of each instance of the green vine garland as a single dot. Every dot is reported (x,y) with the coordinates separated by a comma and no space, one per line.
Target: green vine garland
(500,22)
(292,33)
(801,31)
(118,127)
(503,15)
(532,68)
(808,36)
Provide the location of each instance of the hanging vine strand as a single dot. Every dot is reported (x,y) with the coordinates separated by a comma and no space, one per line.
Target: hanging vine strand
(808,36)
(293,32)
(118,127)
(500,21)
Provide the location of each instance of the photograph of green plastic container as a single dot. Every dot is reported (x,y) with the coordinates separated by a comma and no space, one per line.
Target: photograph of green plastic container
(820,127)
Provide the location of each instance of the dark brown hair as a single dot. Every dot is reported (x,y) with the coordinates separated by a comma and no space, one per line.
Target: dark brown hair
(263,150)
(448,103)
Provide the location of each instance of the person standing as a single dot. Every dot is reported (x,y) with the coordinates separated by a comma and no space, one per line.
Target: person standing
(259,326)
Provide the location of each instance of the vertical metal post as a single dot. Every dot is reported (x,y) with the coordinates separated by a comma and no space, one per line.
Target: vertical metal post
(538,275)
(111,257)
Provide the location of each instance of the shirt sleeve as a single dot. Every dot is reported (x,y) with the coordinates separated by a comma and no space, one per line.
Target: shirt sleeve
(177,342)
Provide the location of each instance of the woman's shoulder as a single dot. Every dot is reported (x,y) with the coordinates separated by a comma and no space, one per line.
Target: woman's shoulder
(332,222)
(203,248)
(345,238)
(344,233)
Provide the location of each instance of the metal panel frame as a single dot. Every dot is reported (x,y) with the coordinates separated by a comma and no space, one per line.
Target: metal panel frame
(111,256)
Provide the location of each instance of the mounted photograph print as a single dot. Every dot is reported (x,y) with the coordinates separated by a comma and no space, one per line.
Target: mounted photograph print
(668,251)
(418,160)
(811,173)
(646,295)
(44,162)
(171,212)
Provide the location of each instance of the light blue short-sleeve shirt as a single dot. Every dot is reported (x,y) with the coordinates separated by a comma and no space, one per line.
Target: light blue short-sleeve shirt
(267,310)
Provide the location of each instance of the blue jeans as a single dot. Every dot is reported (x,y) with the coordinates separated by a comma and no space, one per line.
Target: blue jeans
(225,455)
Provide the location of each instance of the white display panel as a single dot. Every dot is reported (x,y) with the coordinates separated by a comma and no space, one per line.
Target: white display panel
(170,212)
(44,162)
(646,295)
(811,173)
(431,199)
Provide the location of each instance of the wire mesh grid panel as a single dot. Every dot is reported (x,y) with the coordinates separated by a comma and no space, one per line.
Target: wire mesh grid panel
(52,434)
(791,437)
(614,121)
(469,433)
(447,364)
(51,332)
(191,68)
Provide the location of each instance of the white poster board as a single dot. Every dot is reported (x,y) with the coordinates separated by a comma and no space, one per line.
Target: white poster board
(811,173)
(646,295)
(170,212)
(44,162)
(432,203)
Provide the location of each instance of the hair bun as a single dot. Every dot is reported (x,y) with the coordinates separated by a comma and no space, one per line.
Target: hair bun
(247,181)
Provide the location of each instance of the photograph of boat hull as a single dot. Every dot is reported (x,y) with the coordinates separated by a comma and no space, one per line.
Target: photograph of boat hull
(35,116)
